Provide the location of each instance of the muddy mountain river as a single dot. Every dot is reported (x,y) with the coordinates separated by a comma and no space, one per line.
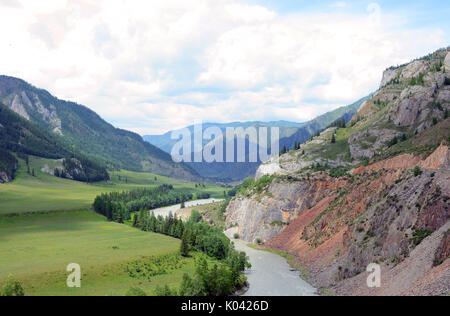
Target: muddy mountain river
(271,274)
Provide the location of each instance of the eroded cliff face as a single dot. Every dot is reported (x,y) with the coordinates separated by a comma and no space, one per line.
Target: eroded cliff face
(379,193)
(336,227)
(30,104)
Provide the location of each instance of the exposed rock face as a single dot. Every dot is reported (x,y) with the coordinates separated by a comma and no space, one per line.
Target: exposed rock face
(443,251)
(371,220)
(440,159)
(447,63)
(388,75)
(24,105)
(415,68)
(269,168)
(17,106)
(388,212)
(361,145)
(412,106)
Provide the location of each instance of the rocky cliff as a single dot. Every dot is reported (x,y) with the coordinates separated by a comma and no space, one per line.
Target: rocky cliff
(375,191)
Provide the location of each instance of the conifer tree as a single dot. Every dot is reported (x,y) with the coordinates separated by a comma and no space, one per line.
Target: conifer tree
(184,248)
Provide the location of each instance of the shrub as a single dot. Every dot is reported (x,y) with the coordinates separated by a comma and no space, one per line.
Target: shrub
(135,291)
(12,288)
(420,235)
(165,291)
(417,171)
(196,217)
(236,236)
(258,241)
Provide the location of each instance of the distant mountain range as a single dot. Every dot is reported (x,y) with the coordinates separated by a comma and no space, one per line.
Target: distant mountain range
(83,131)
(290,134)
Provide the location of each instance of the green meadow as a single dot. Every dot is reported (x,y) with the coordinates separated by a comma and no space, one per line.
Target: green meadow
(37,248)
(44,192)
(47,223)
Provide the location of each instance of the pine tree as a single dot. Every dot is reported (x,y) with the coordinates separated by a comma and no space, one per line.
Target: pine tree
(135,220)
(184,248)
(333,139)
(141,218)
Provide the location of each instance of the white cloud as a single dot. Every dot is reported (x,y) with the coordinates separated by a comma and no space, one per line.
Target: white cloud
(339,4)
(151,66)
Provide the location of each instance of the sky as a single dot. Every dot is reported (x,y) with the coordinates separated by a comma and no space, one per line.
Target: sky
(153,66)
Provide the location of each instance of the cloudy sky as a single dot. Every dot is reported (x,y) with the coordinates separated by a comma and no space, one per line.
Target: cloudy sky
(151,66)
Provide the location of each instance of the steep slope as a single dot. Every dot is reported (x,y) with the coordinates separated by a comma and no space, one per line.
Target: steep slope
(318,124)
(19,137)
(290,135)
(376,191)
(84,130)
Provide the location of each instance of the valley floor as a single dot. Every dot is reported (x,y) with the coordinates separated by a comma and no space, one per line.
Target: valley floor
(44,192)
(47,223)
(36,250)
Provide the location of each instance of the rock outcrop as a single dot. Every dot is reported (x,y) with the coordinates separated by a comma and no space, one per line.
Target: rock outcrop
(447,63)
(388,75)
(374,191)
(24,105)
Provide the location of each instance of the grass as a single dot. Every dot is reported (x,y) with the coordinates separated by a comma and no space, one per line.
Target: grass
(45,192)
(37,248)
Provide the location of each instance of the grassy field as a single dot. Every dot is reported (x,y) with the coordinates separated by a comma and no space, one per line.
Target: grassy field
(37,248)
(53,226)
(47,193)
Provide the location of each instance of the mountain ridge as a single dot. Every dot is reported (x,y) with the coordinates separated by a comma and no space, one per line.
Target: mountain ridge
(85,130)
(291,134)
(373,191)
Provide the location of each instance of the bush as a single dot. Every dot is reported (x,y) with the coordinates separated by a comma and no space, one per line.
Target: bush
(165,291)
(258,241)
(236,236)
(135,291)
(417,171)
(196,217)
(420,235)
(12,288)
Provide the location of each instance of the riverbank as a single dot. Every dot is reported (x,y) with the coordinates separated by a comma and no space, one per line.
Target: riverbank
(165,211)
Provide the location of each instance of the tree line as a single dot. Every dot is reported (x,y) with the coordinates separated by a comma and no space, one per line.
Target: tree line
(117,206)
(221,278)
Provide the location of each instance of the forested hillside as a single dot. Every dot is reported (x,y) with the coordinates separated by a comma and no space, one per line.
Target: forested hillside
(87,132)
(20,138)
